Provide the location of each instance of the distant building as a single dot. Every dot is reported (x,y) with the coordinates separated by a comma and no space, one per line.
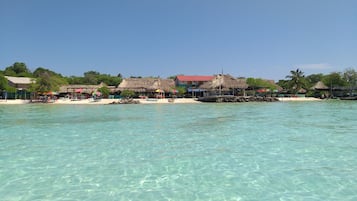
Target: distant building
(192,83)
(20,83)
(147,86)
(80,88)
(225,85)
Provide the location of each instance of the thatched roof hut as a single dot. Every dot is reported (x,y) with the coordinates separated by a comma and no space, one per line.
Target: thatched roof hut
(225,82)
(146,84)
(320,86)
(82,88)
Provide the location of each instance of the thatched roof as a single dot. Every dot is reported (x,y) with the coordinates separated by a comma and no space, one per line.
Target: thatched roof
(146,84)
(20,80)
(84,88)
(226,82)
(319,86)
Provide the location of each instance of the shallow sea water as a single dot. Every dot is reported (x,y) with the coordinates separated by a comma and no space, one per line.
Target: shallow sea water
(245,151)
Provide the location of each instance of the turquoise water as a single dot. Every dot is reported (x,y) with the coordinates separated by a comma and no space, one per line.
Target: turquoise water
(245,151)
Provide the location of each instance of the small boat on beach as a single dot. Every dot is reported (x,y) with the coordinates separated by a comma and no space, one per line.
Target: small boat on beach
(349,98)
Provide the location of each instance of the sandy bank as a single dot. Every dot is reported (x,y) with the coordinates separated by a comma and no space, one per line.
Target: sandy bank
(141,101)
(103,101)
(168,101)
(289,99)
(13,102)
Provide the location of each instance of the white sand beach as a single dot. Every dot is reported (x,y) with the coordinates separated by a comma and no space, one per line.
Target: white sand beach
(289,99)
(141,101)
(13,102)
(103,101)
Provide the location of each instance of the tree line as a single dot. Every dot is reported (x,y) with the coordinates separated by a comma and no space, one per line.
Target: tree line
(296,81)
(48,80)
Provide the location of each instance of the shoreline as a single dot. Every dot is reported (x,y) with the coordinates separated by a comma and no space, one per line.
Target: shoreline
(298,99)
(140,101)
(101,102)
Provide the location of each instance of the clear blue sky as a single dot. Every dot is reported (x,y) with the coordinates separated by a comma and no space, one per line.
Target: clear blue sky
(248,38)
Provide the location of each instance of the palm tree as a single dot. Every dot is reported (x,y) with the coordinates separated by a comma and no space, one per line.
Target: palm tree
(297,80)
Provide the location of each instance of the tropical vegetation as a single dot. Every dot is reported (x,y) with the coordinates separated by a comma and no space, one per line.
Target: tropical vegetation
(48,80)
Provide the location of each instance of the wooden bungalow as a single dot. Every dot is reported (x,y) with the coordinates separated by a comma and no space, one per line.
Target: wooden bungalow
(225,85)
(149,87)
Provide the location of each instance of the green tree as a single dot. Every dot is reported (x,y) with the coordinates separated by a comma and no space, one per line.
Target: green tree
(297,80)
(3,83)
(75,80)
(334,79)
(181,90)
(47,80)
(41,70)
(127,94)
(91,77)
(313,79)
(350,77)
(18,69)
(284,84)
(105,91)
(109,80)
(260,83)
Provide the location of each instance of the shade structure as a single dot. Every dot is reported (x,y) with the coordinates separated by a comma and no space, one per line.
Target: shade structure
(78,90)
(51,93)
(261,90)
(96,93)
(196,90)
(159,91)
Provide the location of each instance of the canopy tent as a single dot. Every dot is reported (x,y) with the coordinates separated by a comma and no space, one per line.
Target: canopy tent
(159,91)
(51,93)
(78,90)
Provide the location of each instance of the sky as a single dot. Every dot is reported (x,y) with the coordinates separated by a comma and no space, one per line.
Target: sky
(244,38)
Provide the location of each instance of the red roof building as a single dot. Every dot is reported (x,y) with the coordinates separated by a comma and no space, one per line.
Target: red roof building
(193,78)
(192,83)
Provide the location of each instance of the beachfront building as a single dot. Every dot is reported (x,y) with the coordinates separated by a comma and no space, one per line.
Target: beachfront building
(82,91)
(320,90)
(148,87)
(21,84)
(225,85)
(192,83)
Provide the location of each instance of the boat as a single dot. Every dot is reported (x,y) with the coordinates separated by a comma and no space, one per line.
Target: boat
(349,98)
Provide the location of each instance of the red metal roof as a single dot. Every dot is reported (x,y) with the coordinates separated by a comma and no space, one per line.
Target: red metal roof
(187,78)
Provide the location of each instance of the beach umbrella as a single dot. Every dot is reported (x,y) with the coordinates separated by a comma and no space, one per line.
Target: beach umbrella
(159,91)
(51,93)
